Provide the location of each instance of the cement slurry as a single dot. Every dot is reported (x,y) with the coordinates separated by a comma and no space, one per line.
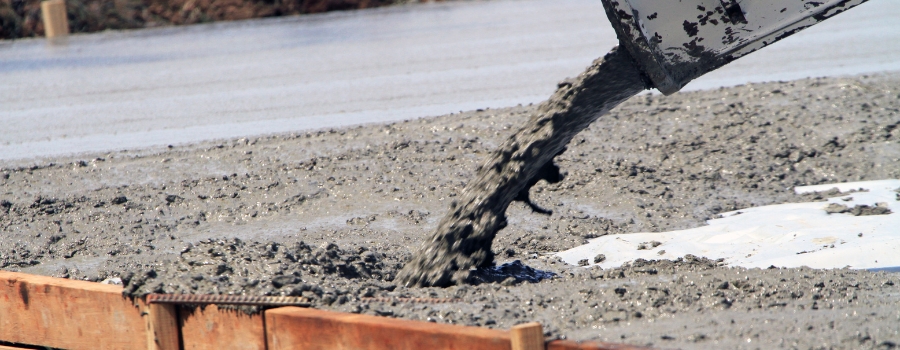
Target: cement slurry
(134,89)
(464,237)
(334,215)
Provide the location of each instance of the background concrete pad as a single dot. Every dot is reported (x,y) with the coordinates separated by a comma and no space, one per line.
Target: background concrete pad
(134,89)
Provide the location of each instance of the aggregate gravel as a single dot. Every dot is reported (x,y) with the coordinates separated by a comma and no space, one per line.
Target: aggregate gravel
(335,214)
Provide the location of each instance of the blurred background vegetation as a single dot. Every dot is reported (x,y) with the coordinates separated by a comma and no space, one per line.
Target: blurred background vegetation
(22,18)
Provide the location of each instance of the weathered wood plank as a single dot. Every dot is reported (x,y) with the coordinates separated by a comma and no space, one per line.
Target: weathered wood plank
(212,328)
(163,331)
(528,336)
(301,328)
(68,314)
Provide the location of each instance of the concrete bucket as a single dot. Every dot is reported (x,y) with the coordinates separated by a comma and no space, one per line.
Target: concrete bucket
(677,41)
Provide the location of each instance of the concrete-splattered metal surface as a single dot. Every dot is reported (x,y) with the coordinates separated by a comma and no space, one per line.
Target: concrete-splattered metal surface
(677,41)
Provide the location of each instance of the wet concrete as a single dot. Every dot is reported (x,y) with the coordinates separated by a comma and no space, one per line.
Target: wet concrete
(135,89)
(363,199)
(463,238)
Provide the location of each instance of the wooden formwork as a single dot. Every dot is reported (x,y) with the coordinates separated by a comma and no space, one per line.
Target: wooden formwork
(68,314)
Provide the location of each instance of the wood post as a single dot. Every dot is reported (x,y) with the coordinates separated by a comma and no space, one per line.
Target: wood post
(162,332)
(56,23)
(527,336)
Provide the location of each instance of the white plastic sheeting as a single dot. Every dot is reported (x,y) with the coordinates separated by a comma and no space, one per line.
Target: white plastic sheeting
(784,235)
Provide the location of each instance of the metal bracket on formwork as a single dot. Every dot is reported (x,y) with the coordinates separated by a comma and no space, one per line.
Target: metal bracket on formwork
(224,299)
(393,300)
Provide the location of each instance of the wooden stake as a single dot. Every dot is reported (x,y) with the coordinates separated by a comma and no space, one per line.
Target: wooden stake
(162,332)
(527,336)
(56,24)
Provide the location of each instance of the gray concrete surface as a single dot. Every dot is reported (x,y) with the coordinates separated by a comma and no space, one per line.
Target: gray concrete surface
(134,89)
(385,189)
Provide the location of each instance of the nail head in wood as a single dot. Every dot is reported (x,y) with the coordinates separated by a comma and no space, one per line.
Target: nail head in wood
(527,336)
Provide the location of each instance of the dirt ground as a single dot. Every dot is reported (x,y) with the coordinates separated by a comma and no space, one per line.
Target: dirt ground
(334,214)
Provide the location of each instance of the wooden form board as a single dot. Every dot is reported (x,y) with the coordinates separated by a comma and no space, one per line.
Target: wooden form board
(163,332)
(67,314)
(299,328)
(70,314)
(211,328)
(528,336)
